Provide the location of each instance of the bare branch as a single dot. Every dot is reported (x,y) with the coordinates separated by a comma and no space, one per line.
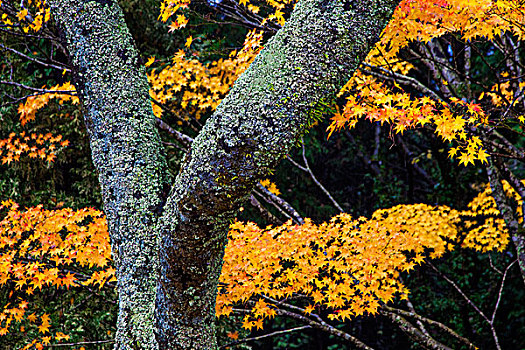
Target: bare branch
(415,333)
(269,335)
(471,303)
(184,139)
(32,59)
(264,212)
(82,343)
(271,198)
(430,322)
(44,91)
(401,79)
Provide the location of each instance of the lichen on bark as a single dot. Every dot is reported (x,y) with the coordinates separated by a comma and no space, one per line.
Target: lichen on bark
(262,117)
(126,151)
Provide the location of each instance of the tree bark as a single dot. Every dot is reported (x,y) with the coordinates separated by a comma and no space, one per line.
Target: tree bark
(263,116)
(127,153)
(301,68)
(508,212)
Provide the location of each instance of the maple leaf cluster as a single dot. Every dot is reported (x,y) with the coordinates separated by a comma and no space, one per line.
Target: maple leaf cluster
(41,249)
(36,145)
(274,9)
(42,146)
(347,266)
(199,87)
(368,96)
(421,22)
(270,186)
(30,17)
(33,104)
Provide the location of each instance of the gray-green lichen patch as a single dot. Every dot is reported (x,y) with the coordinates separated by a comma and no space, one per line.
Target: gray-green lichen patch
(126,151)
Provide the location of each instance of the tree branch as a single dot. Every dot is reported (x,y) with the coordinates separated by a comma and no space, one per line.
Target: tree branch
(269,335)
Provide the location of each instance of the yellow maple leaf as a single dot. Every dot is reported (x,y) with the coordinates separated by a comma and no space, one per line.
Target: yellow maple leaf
(59,336)
(43,328)
(308,310)
(21,15)
(482,155)
(189,41)
(150,61)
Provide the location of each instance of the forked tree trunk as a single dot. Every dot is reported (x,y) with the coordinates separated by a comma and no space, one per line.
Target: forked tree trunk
(262,117)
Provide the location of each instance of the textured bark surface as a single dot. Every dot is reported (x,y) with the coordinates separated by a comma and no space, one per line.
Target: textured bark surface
(509,214)
(264,114)
(271,104)
(126,150)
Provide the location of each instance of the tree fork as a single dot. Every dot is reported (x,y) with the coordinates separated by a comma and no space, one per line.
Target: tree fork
(263,116)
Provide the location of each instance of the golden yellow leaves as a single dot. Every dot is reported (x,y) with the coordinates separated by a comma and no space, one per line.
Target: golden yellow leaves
(169,7)
(41,146)
(21,15)
(179,23)
(277,16)
(200,87)
(33,104)
(37,249)
(429,19)
(270,186)
(189,40)
(29,17)
(372,100)
(487,231)
(347,266)
(423,21)
(44,326)
(150,61)
(192,88)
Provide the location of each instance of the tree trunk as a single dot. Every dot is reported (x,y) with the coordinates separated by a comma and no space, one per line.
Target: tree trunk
(508,212)
(302,67)
(126,150)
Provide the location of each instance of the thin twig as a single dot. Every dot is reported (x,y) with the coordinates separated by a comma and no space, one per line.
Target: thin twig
(32,59)
(269,335)
(317,181)
(83,343)
(306,168)
(64,92)
(494,267)
(471,303)
(322,325)
(501,290)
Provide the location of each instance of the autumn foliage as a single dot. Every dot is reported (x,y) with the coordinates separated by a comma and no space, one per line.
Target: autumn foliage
(415,21)
(347,266)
